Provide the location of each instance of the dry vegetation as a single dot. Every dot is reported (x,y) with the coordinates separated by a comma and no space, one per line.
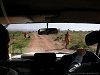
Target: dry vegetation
(18,42)
(77,39)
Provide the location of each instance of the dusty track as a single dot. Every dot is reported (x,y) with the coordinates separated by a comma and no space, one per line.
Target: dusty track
(43,43)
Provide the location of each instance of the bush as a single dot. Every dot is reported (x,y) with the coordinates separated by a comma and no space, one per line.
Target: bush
(78,45)
(17,42)
(77,39)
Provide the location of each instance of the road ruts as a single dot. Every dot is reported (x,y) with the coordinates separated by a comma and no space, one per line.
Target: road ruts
(42,43)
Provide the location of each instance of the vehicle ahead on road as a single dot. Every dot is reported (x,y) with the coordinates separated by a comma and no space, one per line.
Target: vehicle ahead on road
(47,31)
(49,11)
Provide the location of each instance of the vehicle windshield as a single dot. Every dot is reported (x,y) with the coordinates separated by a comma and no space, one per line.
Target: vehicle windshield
(27,39)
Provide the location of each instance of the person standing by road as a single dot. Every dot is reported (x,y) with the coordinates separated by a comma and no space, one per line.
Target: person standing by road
(67,39)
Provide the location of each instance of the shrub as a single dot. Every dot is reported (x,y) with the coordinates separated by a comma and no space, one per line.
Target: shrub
(78,45)
(17,42)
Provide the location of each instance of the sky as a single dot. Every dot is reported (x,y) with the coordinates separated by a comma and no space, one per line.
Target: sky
(61,26)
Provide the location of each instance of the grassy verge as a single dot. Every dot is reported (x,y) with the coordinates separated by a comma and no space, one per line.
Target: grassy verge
(77,39)
(18,42)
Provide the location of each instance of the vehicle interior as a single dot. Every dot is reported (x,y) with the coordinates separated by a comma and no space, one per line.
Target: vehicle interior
(21,12)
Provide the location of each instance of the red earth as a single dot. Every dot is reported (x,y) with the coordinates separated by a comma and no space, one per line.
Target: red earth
(44,43)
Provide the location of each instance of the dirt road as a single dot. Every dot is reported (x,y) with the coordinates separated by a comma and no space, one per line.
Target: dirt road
(43,43)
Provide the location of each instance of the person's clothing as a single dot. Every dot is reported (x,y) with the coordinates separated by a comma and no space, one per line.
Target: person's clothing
(12,72)
(4,54)
(76,63)
(67,39)
(88,68)
(7,71)
(85,68)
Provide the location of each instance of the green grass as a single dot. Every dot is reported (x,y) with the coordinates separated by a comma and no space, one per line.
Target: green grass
(17,42)
(77,39)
